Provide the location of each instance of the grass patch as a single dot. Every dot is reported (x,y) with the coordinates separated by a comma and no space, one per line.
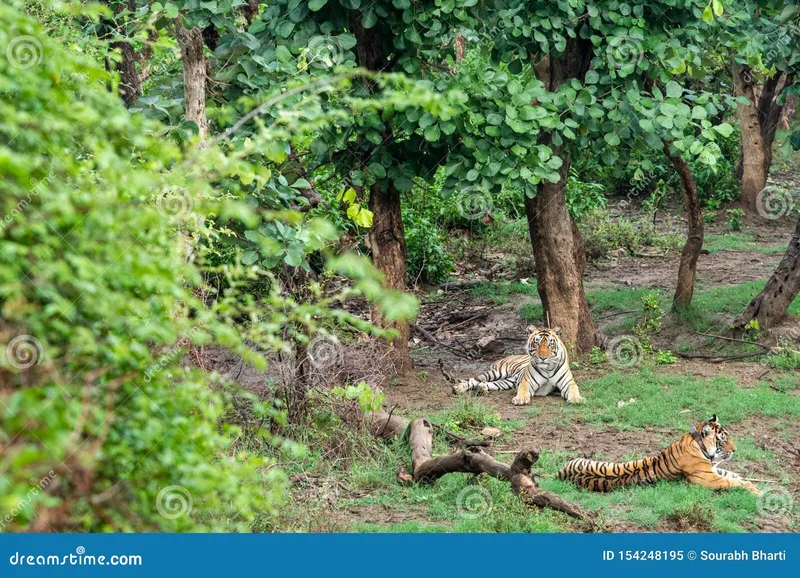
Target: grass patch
(738,242)
(677,401)
(500,293)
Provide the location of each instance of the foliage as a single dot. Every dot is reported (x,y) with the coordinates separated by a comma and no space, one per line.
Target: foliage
(427,259)
(368,399)
(101,300)
(735,219)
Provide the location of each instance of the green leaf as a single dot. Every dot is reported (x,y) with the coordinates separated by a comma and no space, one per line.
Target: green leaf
(708,14)
(674,89)
(316,5)
(432,133)
(724,129)
(612,138)
(592,77)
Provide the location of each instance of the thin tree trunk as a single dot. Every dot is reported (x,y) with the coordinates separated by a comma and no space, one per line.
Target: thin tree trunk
(130,86)
(769,307)
(190,43)
(758,122)
(386,238)
(752,167)
(557,243)
(694,240)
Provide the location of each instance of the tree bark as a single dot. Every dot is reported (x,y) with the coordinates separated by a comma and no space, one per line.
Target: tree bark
(769,307)
(758,122)
(694,239)
(130,87)
(386,239)
(190,43)
(557,243)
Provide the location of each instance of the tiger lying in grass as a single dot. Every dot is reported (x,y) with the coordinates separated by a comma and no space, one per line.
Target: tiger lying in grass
(543,369)
(694,457)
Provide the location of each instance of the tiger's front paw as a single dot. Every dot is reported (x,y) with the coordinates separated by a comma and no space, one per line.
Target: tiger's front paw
(482,388)
(461,387)
(521,400)
(576,399)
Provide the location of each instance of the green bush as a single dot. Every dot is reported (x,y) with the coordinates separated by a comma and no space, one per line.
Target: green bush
(427,258)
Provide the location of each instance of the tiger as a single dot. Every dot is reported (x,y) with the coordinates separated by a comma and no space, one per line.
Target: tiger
(543,369)
(695,457)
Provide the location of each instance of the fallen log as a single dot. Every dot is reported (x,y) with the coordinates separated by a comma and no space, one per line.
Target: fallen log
(386,425)
(473,460)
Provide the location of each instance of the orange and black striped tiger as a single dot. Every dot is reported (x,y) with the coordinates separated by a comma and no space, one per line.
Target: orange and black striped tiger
(694,457)
(543,369)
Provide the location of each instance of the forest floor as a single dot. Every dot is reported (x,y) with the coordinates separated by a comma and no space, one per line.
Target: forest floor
(633,409)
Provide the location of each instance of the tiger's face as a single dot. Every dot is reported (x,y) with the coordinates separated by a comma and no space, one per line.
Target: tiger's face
(543,344)
(717,440)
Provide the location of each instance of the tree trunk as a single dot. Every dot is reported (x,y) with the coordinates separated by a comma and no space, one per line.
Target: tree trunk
(386,238)
(769,307)
(190,43)
(758,122)
(694,240)
(557,243)
(130,87)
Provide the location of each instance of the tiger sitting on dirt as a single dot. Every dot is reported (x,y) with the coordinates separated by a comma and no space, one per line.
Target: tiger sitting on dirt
(543,369)
(695,457)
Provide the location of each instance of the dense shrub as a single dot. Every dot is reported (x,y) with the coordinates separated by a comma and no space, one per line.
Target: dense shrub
(427,258)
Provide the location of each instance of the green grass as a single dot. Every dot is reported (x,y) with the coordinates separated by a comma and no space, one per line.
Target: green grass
(677,401)
(711,309)
(739,242)
(499,293)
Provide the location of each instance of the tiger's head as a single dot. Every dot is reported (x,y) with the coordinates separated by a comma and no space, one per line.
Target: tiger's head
(718,443)
(543,345)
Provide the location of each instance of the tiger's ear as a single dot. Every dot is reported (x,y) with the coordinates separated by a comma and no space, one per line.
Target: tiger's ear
(706,429)
(532,329)
(713,419)
(557,329)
